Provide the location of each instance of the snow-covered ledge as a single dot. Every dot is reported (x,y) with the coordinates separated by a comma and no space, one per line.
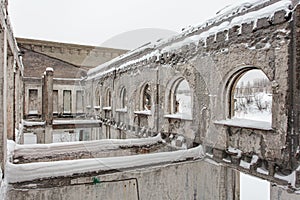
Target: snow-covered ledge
(33,123)
(76,121)
(179,116)
(122,110)
(32,171)
(30,150)
(97,107)
(143,112)
(246,123)
(108,108)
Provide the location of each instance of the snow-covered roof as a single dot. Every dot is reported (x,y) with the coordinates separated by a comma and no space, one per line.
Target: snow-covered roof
(236,14)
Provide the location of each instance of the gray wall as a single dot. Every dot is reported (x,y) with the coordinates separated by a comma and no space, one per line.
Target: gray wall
(174,181)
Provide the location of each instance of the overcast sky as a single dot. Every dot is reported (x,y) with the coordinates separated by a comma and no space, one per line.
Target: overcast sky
(95,21)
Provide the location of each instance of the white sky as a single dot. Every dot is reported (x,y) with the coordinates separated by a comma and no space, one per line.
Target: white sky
(95,21)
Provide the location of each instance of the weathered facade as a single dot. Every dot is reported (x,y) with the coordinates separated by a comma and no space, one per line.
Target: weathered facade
(180,90)
(11,87)
(70,63)
(211,62)
(174,181)
(211,58)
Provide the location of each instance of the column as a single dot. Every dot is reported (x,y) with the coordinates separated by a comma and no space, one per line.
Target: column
(49,105)
(49,96)
(3,89)
(10,98)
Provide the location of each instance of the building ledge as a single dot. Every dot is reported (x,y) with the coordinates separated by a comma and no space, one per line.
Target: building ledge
(97,107)
(179,116)
(246,123)
(122,110)
(107,108)
(143,112)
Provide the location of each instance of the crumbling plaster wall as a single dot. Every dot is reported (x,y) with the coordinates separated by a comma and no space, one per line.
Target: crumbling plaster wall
(211,68)
(266,49)
(173,181)
(158,77)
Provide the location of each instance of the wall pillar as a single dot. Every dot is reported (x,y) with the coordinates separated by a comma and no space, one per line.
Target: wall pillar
(47,105)
(44,98)
(10,98)
(3,89)
(49,96)
(229,184)
(17,102)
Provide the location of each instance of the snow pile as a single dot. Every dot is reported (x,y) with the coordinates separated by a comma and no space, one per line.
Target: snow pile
(11,145)
(162,46)
(32,171)
(96,145)
(234,151)
(3,188)
(291,178)
(246,164)
(50,69)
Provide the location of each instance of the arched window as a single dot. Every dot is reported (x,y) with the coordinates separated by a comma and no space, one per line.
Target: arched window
(252,96)
(88,98)
(147,100)
(108,98)
(181,98)
(123,98)
(97,98)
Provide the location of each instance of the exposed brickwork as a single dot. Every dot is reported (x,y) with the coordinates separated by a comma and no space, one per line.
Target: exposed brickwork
(36,63)
(79,55)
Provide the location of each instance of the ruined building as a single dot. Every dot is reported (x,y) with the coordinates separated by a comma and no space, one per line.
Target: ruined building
(168,114)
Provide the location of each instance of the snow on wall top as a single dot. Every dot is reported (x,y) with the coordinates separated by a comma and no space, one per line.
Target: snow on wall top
(229,11)
(50,69)
(234,15)
(96,145)
(32,171)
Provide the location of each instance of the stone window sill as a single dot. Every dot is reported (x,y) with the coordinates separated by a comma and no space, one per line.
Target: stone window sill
(143,112)
(246,123)
(121,110)
(179,116)
(108,108)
